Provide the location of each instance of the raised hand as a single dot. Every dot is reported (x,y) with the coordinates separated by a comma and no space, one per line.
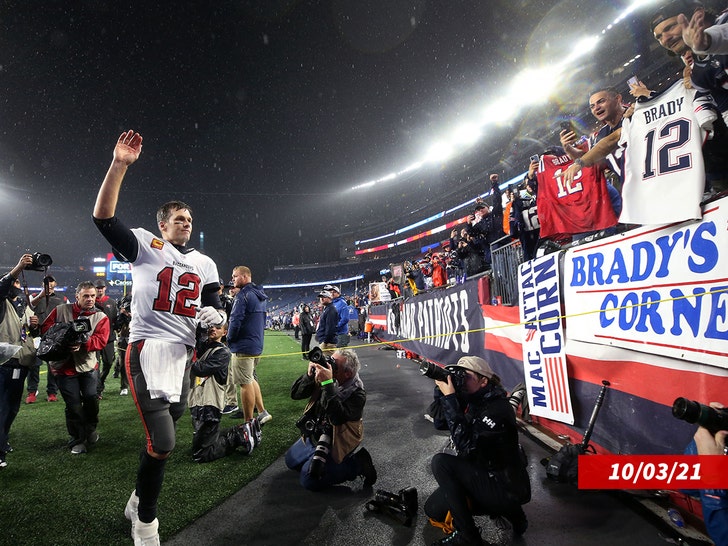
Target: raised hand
(128,147)
(694,34)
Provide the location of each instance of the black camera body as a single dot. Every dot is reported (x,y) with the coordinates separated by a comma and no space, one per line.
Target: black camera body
(41,262)
(307,425)
(403,504)
(81,328)
(696,413)
(317,355)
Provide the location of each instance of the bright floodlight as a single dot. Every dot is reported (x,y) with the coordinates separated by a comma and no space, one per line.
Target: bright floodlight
(364,185)
(583,47)
(501,111)
(467,133)
(532,86)
(439,152)
(529,87)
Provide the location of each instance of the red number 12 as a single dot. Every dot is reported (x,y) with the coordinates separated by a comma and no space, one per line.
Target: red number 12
(189,284)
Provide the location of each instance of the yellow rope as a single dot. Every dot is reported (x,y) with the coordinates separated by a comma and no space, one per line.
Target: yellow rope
(510,325)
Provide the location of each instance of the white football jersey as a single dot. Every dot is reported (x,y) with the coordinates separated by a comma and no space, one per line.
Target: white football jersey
(167,290)
(664,170)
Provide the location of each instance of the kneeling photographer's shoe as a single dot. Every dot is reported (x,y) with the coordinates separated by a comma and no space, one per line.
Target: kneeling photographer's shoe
(519,522)
(366,467)
(458,538)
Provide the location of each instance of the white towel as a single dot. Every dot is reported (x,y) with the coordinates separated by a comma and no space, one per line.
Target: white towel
(163,365)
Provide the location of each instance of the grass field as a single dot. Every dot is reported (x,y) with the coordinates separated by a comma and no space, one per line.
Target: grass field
(49,496)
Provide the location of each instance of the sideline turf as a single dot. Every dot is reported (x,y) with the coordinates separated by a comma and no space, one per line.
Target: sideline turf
(49,496)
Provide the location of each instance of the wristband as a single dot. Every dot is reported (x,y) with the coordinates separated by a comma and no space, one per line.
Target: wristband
(327,382)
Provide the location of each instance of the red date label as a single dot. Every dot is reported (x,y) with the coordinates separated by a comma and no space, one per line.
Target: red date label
(653,472)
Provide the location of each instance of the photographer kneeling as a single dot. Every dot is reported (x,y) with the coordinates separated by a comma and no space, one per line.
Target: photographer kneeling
(488,475)
(77,374)
(331,425)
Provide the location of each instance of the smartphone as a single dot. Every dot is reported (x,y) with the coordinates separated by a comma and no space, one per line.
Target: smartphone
(534,159)
(633,81)
(566,126)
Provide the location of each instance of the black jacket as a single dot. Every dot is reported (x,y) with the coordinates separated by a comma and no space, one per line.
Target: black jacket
(306,323)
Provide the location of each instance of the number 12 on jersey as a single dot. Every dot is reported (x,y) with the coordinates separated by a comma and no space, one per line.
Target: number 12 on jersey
(181,302)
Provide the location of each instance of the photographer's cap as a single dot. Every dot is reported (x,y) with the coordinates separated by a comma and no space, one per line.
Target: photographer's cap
(332,288)
(100,283)
(325,294)
(474,364)
(49,278)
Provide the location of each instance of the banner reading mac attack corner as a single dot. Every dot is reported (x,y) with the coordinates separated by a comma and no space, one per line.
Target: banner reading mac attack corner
(660,290)
(544,353)
(443,325)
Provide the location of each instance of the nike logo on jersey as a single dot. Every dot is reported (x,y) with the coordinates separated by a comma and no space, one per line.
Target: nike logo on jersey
(663,110)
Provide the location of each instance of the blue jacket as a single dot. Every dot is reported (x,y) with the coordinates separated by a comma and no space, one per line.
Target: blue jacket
(247,321)
(342,327)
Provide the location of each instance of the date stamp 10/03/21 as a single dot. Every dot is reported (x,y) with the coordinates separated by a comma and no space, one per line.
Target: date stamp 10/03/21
(653,472)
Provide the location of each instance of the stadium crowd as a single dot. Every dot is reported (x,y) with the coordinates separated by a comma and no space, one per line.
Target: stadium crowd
(579,189)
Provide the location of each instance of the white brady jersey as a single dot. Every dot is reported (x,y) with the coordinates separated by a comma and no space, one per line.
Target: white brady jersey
(664,171)
(167,290)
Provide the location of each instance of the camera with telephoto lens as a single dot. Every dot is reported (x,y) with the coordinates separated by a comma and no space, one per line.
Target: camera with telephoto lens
(317,355)
(438,373)
(321,453)
(696,413)
(433,371)
(41,262)
(404,503)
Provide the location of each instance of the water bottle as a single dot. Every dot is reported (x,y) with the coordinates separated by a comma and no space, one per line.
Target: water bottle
(676,517)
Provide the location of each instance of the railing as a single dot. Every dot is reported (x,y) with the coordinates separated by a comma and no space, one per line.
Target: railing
(506,256)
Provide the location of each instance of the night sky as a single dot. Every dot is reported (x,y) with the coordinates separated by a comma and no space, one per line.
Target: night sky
(259,114)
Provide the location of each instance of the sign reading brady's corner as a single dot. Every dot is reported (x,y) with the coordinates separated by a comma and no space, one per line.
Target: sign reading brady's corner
(660,290)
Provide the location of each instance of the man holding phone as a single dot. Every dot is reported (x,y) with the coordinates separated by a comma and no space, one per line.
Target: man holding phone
(605,105)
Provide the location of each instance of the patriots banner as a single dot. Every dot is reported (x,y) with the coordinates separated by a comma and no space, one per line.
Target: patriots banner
(443,324)
(544,356)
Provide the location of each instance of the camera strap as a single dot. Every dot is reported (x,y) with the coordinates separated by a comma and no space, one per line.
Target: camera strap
(24,284)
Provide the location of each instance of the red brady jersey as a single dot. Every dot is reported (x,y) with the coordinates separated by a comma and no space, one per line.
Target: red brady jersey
(166,290)
(568,210)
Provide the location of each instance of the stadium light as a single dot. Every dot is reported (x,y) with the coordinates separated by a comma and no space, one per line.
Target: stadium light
(502,111)
(438,152)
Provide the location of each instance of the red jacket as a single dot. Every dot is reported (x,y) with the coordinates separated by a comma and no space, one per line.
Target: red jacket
(96,342)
